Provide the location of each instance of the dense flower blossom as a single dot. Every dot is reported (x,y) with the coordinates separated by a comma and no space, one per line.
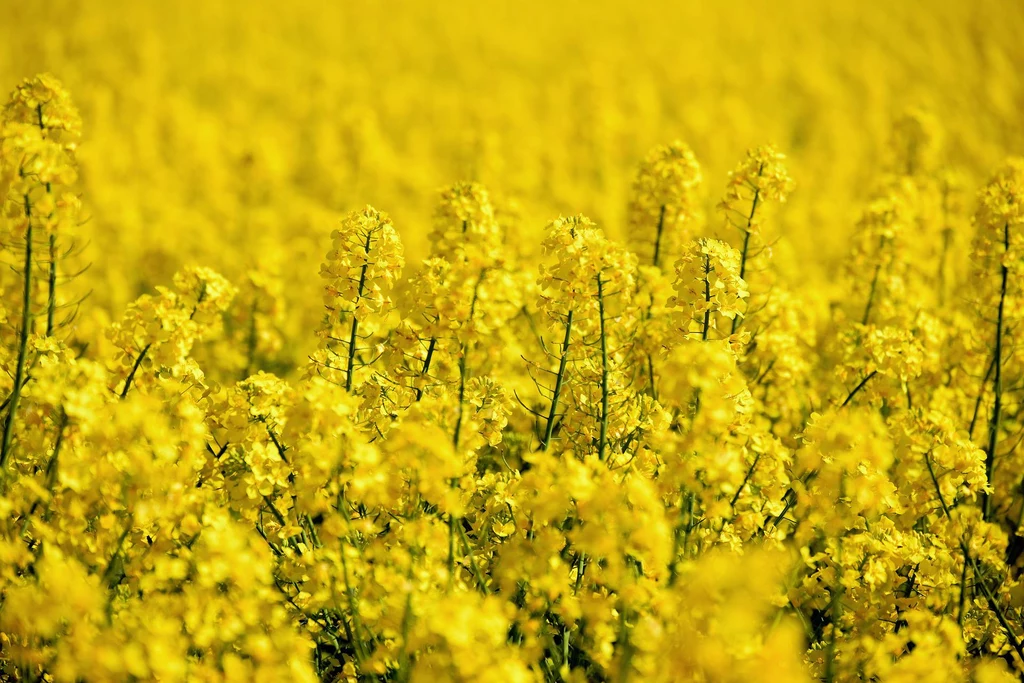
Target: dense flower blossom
(780,441)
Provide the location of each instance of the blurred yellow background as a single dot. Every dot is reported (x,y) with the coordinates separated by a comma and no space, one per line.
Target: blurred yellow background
(226,133)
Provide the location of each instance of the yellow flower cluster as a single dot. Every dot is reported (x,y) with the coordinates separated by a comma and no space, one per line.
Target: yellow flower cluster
(765,427)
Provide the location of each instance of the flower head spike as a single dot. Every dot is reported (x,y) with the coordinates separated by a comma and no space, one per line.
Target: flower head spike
(761,177)
(664,201)
(363,264)
(465,229)
(708,282)
(44,103)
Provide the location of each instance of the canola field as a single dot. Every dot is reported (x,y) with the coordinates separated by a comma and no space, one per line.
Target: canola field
(492,341)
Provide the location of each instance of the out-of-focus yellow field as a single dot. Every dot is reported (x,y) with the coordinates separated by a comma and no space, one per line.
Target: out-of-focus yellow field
(216,132)
(517,342)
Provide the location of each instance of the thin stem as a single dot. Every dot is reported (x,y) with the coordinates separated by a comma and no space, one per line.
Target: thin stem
(835,613)
(26,325)
(746,241)
(935,482)
(979,581)
(962,602)
(51,301)
(628,648)
(981,396)
(603,442)
(652,376)
(51,473)
(426,365)
(108,573)
(480,581)
(657,237)
(451,550)
(994,606)
(997,383)
(860,386)
(743,265)
(750,472)
(559,378)
(353,607)
(355,320)
(403,654)
(462,394)
(871,296)
(463,371)
(874,284)
(707,298)
(135,368)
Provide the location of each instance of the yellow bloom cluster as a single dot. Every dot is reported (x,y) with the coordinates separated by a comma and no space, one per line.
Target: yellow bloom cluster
(765,427)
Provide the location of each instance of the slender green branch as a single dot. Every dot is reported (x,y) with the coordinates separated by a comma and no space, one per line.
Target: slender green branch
(426,365)
(451,551)
(746,240)
(652,377)
(830,650)
(860,386)
(463,371)
(979,580)
(26,329)
(962,599)
(603,439)
(657,237)
(108,573)
(355,321)
(135,368)
(462,394)
(997,383)
(746,478)
(874,285)
(51,300)
(480,581)
(559,378)
(981,396)
(707,298)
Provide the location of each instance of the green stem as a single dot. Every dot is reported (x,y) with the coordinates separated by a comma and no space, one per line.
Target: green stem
(559,378)
(857,388)
(135,368)
(830,651)
(51,473)
(981,397)
(451,551)
(355,320)
(108,573)
(462,395)
(739,491)
(426,365)
(480,582)
(462,360)
(743,266)
(353,607)
(51,301)
(997,383)
(962,602)
(657,237)
(746,241)
(603,442)
(651,375)
(628,649)
(707,298)
(26,325)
